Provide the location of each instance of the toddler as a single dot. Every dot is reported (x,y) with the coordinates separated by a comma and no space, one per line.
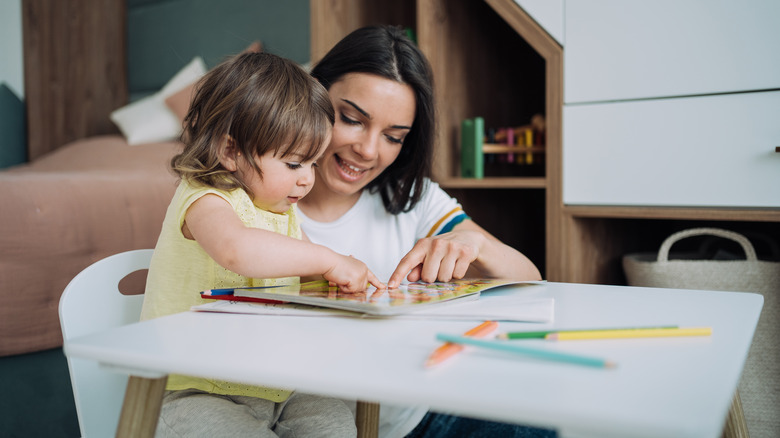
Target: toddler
(253,133)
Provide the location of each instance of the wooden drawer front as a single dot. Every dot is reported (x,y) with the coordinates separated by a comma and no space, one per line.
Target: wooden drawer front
(629,49)
(695,151)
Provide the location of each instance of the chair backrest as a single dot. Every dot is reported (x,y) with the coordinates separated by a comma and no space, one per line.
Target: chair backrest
(91,303)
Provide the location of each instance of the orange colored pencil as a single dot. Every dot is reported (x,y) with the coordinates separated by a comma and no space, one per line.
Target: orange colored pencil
(449,349)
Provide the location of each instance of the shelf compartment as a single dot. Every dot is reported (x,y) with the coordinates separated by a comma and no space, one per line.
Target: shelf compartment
(491,148)
(495,183)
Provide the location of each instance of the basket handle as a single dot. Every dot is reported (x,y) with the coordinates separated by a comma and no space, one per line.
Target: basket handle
(663,252)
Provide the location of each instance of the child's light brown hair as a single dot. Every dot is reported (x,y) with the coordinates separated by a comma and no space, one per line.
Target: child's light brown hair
(266,104)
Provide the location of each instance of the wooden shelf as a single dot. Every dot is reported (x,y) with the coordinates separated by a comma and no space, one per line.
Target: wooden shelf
(490,148)
(681,213)
(495,183)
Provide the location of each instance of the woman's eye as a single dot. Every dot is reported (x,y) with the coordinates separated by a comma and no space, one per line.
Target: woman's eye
(348,121)
(395,140)
(294,166)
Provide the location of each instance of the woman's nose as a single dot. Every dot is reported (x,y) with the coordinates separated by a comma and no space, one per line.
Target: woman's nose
(367,147)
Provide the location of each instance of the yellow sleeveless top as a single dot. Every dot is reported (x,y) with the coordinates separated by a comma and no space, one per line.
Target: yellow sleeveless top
(180,269)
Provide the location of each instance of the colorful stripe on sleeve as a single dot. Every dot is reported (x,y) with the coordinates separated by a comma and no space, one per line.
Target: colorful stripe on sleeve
(448,222)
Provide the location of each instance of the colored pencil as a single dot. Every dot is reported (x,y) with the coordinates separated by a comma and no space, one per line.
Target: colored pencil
(228,295)
(623,334)
(528,351)
(450,349)
(544,333)
(230,290)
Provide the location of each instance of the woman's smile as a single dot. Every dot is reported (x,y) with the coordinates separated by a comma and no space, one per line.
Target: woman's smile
(349,171)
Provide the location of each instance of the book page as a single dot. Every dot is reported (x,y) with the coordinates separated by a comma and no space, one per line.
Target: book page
(375,301)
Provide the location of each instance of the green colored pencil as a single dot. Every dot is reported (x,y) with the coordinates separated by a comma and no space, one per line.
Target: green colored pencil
(543,334)
(529,351)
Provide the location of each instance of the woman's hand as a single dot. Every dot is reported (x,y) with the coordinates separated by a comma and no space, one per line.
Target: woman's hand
(468,248)
(439,258)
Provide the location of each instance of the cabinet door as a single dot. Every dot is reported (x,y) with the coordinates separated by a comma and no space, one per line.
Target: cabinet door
(629,49)
(697,151)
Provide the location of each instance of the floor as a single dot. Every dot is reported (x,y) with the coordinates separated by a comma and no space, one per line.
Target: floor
(36,398)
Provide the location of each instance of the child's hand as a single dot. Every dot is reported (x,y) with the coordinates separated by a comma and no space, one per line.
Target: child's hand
(351,275)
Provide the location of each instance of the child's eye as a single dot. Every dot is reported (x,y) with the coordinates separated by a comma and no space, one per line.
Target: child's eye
(294,166)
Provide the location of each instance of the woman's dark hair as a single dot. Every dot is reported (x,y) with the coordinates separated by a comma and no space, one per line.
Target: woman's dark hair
(266,104)
(387,52)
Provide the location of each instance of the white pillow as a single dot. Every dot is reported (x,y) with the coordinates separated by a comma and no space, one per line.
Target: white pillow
(149,120)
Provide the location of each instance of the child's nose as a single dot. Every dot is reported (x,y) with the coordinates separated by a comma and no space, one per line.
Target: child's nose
(307,178)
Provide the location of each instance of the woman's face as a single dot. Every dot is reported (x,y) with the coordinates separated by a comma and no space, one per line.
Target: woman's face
(373,117)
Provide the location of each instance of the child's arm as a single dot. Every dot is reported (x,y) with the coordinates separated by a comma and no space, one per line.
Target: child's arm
(258,253)
(308,278)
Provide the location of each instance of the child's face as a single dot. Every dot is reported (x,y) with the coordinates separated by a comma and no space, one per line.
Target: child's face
(285,180)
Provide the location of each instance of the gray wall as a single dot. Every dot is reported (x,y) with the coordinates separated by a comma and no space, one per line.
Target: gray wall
(13,140)
(164,35)
(11,64)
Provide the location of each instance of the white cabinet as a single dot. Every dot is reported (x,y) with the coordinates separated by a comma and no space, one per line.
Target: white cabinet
(671,103)
(631,49)
(708,151)
(548,13)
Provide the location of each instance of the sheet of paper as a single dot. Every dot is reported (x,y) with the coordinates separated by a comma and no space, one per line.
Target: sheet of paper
(288,309)
(498,308)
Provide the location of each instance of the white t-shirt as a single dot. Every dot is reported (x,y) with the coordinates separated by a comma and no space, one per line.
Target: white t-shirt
(380,240)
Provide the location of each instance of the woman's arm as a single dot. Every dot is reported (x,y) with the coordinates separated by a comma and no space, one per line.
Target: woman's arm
(258,253)
(468,250)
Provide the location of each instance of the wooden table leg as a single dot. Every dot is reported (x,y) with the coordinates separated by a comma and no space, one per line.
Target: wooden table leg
(367,419)
(141,407)
(736,426)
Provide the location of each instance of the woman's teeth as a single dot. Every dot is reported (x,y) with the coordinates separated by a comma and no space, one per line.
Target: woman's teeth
(352,170)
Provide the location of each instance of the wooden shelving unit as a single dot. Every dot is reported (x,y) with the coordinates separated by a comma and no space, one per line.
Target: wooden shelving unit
(489,59)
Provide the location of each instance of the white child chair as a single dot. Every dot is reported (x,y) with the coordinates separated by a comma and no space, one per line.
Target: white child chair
(91,303)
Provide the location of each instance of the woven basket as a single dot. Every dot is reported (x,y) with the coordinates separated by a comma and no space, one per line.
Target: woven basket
(688,271)
(759,388)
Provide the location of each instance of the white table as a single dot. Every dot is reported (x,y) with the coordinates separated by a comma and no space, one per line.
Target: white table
(661,387)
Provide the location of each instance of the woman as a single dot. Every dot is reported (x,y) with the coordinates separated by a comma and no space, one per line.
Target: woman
(373,199)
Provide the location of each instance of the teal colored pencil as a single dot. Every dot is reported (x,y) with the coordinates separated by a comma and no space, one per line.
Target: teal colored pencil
(528,351)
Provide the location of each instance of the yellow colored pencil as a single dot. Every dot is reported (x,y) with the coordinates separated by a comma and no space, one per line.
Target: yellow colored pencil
(631,333)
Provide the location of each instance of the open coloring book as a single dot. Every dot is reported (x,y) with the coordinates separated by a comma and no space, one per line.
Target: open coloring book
(456,299)
(374,301)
